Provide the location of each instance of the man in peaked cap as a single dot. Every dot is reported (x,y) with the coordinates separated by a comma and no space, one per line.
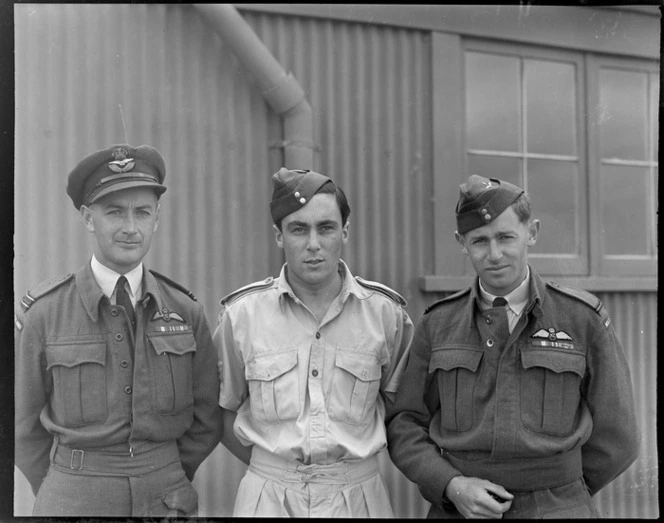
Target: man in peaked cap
(116,387)
(518,401)
(307,362)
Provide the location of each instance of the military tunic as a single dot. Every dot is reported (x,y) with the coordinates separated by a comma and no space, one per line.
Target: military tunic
(94,398)
(547,405)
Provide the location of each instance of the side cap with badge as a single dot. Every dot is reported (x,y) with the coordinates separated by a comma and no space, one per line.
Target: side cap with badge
(292,189)
(113,169)
(482,200)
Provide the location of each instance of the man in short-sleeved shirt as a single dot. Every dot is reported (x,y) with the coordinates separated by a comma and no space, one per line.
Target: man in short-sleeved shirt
(307,361)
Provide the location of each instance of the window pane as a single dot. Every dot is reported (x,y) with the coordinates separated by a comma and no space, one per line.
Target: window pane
(622,114)
(492,102)
(508,169)
(625,214)
(553,187)
(550,100)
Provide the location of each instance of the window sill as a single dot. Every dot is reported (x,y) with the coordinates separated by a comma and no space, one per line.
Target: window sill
(589,283)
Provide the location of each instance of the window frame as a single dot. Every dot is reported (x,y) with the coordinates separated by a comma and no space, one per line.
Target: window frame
(617,265)
(451,269)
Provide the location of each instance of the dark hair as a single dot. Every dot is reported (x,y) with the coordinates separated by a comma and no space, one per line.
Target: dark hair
(522,208)
(331,188)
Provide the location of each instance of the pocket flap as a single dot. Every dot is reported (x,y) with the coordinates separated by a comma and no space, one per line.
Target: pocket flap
(448,359)
(361,365)
(74,354)
(554,360)
(184,500)
(178,344)
(271,365)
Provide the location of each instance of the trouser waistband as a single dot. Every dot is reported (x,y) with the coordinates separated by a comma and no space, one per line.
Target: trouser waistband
(523,473)
(117,460)
(273,467)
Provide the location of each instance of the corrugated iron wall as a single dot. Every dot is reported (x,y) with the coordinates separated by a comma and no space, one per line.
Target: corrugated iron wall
(182,91)
(634,494)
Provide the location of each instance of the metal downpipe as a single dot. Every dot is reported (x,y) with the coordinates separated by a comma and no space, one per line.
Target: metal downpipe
(280,89)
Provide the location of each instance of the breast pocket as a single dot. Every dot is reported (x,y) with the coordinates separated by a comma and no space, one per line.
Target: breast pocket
(273,386)
(78,369)
(171,369)
(355,386)
(456,372)
(551,389)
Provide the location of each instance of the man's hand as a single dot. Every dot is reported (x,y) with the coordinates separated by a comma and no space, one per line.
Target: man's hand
(478,498)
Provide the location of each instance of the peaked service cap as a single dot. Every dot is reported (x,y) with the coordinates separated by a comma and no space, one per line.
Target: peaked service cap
(113,169)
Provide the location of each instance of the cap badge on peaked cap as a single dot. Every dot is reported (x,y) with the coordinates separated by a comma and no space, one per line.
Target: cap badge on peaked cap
(121,164)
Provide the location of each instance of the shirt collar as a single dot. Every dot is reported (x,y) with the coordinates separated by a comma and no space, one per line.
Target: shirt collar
(91,293)
(348,285)
(108,278)
(516,300)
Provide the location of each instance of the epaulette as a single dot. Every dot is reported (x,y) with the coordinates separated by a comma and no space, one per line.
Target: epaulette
(447,298)
(247,289)
(586,297)
(174,284)
(383,289)
(43,288)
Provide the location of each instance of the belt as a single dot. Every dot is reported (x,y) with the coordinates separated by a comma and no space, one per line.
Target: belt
(273,467)
(117,460)
(524,474)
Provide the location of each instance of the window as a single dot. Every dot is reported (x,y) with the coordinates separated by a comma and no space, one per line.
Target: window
(522,123)
(577,130)
(624,96)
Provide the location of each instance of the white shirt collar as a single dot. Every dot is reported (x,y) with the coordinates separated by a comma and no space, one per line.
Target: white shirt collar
(107,278)
(516,300)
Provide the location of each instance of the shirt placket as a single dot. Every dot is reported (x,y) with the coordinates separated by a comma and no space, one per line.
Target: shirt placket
(317,437)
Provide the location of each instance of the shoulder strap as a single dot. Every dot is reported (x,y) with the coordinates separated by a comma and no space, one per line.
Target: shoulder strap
(584,296)
(173,284)
(247,289)
(383,289)
(451,297)
(43,288)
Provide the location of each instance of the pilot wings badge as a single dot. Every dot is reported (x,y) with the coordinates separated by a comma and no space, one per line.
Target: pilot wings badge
(552,338)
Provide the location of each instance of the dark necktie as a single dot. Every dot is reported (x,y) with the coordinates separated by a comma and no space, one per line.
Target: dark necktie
(122,299)
(502,315)
(499,302)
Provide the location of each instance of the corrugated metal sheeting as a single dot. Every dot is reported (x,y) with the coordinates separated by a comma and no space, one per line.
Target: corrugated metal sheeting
(183,92)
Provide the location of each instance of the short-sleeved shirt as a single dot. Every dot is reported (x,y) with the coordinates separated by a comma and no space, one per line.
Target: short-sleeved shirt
(308,390)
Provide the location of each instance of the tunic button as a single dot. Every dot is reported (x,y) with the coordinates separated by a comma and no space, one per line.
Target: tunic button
(124,364)
(127,389)
(114,312)
(119,337)
(489,320)
(489,343)
(318,335)
(314,373)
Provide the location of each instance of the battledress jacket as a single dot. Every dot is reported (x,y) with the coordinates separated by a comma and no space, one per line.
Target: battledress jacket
(551,402)
(81,379)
